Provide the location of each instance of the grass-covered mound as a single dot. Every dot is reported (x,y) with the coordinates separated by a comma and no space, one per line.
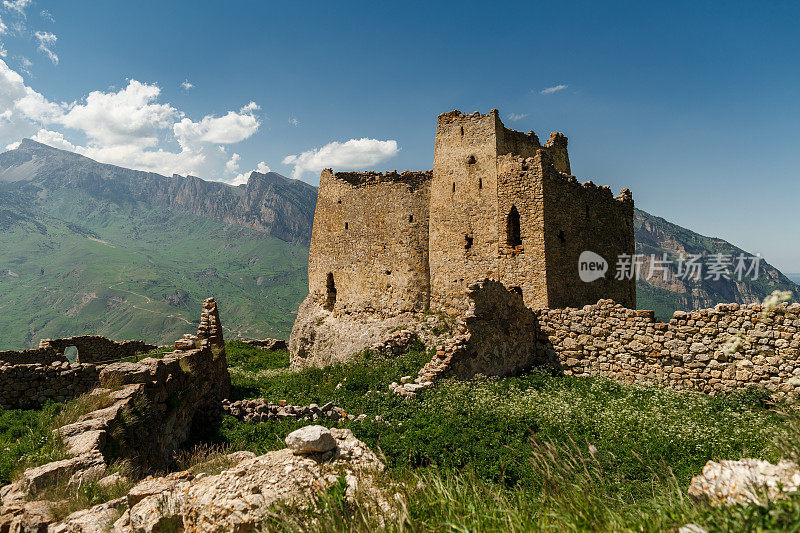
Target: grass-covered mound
(535,451)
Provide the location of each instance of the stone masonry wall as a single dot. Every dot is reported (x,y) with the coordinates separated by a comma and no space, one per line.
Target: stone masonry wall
(97,349)
(497,336)
(609,340)
(463,206)
(370,241)
(27,386)
(580,217)
(29,378)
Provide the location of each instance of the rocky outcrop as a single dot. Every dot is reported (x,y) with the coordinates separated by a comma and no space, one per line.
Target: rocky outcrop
(744,481)
(148,409)
(240,497)
(321,337)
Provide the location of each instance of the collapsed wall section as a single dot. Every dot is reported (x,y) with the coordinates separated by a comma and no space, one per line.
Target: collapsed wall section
(369,247)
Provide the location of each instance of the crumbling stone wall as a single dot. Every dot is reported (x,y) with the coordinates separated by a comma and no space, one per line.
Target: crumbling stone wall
(97,349)
(42,355)
(29,378)
(369,248)
(608,340)
(28,386)
(497,336)
(153,404)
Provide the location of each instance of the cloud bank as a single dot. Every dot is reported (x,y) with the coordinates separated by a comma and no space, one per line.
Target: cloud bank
(127,127)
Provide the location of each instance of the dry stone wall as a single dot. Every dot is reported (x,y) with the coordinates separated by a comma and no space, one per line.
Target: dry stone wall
(688,352)
(29,378)
(97,349)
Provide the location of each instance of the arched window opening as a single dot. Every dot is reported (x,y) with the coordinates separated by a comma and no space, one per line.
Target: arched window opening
(462,130)
(468,239)
(513,236)
(454,187)
(346,225)
(410,218)
(561,237)
(330,291)
(471,160)
(480,183)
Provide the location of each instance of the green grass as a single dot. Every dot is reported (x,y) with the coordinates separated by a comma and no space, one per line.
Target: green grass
(538,451)
(535,452)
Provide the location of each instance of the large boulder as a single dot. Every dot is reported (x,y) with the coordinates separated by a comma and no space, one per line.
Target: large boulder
(311,439)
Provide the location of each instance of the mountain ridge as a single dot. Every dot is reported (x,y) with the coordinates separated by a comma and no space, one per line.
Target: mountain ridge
(270,203)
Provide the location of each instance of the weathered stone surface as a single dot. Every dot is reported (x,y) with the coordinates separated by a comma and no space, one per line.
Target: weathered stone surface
(310,439)
(239,498)
(267,344)
(98,518)
(744,481)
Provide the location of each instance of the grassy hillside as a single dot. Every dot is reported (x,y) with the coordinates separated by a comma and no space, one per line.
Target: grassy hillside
(539,451)
(74,264)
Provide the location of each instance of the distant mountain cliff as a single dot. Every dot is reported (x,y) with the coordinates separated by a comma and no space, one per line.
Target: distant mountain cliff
(654,235)
(269,203)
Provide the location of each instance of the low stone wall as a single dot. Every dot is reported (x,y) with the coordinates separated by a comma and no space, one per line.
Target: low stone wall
(28,378)
(28,386)
(267,344)
(42,356)
(608,340)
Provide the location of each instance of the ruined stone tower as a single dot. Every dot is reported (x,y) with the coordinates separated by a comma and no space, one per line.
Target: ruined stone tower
(504,206)
(498,204)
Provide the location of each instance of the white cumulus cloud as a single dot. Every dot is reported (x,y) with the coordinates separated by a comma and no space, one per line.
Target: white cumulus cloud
(45,14)
(227,129)
(127,127)
(513,117)
(351,155)
(186,85)
(553,89)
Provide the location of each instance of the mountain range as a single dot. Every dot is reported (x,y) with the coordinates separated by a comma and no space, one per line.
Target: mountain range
(88,247)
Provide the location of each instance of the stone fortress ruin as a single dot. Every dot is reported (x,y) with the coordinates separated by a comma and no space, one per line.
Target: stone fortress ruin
(497,204)
(479,257)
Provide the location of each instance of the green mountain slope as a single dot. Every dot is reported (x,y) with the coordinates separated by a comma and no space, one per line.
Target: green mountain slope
(74,264)
(654,235)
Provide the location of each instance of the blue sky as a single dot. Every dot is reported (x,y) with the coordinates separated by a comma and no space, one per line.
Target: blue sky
(693,106)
